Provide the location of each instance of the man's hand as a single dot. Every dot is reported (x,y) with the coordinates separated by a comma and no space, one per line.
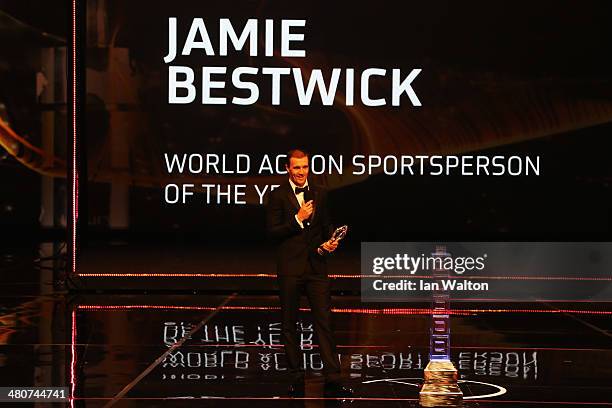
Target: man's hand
(330,246)
(305,211)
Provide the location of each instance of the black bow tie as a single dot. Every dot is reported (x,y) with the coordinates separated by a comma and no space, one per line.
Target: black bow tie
(299,190)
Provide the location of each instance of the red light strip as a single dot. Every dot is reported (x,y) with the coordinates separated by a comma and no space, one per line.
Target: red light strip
(222,398)
(74,141)
(335,276)
(580,403)
(386,311)
(178,275)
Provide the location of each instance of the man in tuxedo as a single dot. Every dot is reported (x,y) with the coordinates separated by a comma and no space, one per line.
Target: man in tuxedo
(297,217)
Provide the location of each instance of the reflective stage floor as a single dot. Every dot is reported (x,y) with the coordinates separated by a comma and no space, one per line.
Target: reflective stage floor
(130,350)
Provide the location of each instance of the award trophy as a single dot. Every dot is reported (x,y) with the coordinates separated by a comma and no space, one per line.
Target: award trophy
(440,387)
(338,234)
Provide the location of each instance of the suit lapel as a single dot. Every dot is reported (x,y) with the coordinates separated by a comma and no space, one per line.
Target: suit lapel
(316,204)
(291,195)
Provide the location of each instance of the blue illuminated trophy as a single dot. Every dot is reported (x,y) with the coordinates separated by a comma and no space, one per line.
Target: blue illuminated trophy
(440,386)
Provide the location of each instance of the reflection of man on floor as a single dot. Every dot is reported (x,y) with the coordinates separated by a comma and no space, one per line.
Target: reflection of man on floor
(297,217)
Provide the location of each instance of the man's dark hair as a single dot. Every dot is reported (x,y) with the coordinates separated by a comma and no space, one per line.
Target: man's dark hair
(297,153)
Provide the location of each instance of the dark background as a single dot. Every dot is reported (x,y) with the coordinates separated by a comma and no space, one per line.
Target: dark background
(26,28)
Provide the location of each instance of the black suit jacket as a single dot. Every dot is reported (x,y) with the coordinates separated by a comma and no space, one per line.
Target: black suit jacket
(297,246)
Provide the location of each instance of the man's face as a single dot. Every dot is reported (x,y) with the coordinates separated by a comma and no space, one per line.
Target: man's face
(298,170)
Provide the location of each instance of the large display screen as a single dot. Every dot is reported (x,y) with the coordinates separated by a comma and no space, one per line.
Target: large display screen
(436,121)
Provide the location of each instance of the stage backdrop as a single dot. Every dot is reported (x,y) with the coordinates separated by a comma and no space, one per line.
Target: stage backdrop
(437,121)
